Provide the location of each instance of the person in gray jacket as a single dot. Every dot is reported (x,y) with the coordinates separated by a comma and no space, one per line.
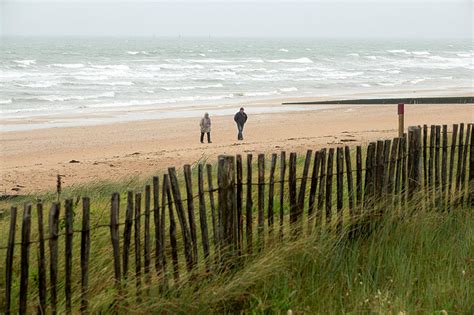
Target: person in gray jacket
(240,118)
(206,128)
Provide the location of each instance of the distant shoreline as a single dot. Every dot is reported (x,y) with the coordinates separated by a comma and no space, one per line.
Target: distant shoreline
(406,100)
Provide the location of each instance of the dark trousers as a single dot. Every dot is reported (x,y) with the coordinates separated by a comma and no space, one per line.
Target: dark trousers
(240,136)
(208,137)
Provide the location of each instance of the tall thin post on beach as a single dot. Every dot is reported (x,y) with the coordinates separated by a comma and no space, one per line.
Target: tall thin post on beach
(401,119)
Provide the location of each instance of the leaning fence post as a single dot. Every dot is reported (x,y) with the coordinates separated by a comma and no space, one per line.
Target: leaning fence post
(444,161)
(203,217)
(173,243)
(41,262)
(321,190)
(146,244)
(464,163)
(85,253)
(350,186)
(460,156)
(271,189)
(182,218)
(282,189)
(9,259)
(25,257)
(261,200)
(240,223)
(471,167)
(437,173)
(127,233)
(215,230)
(292,193)
(156,222)
(53,226)
(68,254)
(414,158)
(369,177)
(249,206)
(452,155)
(340,188)
(312,190)
(304,179)
(114,215)
(227,203)
(329,189)
(138,246)
(191,216)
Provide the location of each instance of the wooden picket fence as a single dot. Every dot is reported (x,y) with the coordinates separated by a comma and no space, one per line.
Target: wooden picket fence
(427,162)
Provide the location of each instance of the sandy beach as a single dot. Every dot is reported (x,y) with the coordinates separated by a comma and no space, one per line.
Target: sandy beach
(30,160)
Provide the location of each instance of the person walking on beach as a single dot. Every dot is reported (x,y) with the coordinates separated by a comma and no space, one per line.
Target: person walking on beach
(240,118)
(206,128)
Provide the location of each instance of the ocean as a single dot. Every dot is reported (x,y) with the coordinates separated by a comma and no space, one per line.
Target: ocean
(59,81)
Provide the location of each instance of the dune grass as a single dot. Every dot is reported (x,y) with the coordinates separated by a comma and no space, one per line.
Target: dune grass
(419,260)
(415,263)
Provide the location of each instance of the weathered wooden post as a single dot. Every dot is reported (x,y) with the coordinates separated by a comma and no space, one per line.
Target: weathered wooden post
(68,254)
(292,194)
(25,257)
(249,206)
(414,159)
(9,259)
(41,262)
(471,167)
(127,233)
(85,254)
(191,217)
(227,204)
(401,119)
(114,235)
(53,227)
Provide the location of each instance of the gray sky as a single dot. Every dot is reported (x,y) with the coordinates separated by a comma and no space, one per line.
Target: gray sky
(258,18)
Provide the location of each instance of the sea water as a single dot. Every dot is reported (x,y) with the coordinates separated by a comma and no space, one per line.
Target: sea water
(141,78)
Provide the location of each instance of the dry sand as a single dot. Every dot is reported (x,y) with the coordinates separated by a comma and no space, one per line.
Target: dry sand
(30,160)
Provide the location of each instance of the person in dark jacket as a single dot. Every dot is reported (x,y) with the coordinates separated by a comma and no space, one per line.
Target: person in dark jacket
(240,118)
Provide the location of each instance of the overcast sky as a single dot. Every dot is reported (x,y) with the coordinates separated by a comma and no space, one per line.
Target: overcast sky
(258,18)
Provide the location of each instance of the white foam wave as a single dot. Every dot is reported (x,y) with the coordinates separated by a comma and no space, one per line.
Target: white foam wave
(416,81)
(172,67)
(44,84)
(464,55)
(398,51)
(386,84)
(371,57)
(8,101)
(353,54)
(27,62)
(283,50)
(208,60)
(59,98)
(68,65)
(298,60)
(290,89)
(210,86)
(166,100)
(275,92)
(114,67)
(117,83)
(420,53)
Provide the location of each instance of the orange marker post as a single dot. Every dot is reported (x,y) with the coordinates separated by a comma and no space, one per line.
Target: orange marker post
(401,122)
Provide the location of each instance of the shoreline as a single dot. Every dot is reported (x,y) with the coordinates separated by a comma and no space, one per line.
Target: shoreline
(223,108)
(30,160)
